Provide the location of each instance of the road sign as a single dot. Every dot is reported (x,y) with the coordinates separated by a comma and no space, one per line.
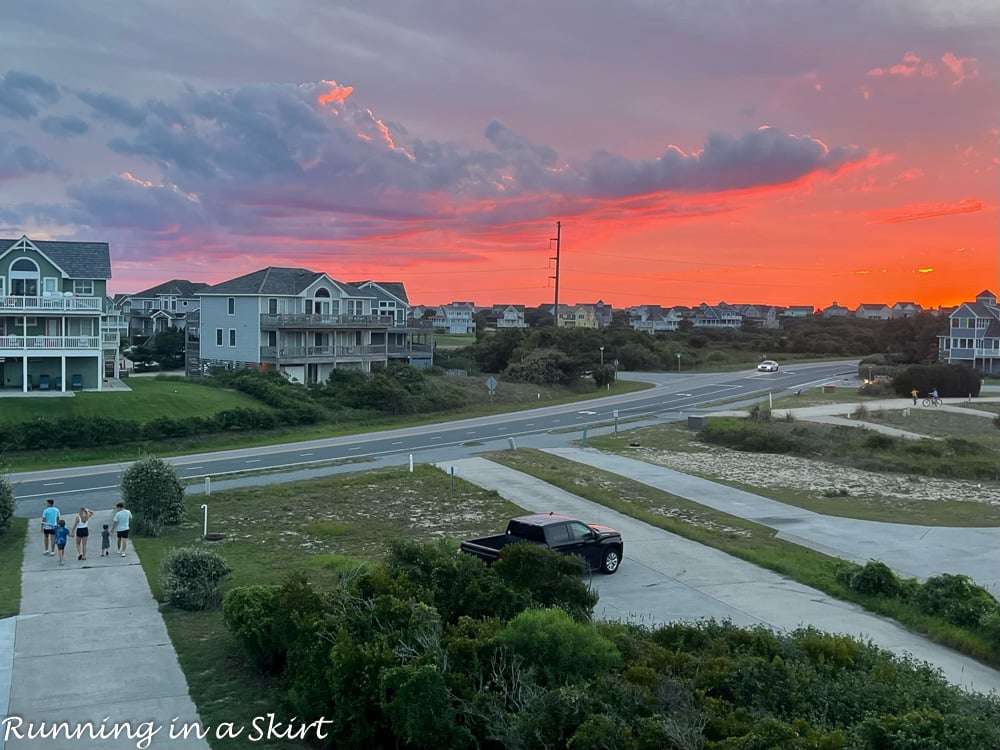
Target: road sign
(491,383)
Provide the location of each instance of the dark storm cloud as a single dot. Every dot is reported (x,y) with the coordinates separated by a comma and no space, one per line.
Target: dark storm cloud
(762,157)
(18,92)
(113,107)
(246,156)
(18,161)
(64,126)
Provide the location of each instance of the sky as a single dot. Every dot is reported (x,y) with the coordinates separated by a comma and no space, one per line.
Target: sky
(785,152)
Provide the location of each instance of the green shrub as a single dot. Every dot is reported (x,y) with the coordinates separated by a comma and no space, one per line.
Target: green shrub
(951,381)
(153,492)
(956,599)
(550,578)
(559,648)
(875,578)
(252,613)
(6,505)
(191,578)
(879,442)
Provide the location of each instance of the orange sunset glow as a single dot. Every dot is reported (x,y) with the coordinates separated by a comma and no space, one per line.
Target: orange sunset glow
(690,157)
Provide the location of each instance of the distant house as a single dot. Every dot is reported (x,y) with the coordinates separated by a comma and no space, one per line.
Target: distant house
(507,316)
(456,318)
(721,315)
(301,323)
(163,306)
(906,310)
(973,335)
(798,311)
(653,319)
(759,316)
(583,315)
(835,311)
(873,312)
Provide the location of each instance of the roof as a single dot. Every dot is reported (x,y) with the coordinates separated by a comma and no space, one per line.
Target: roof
(277,281)
(79,260)
(395,288)
(176,287)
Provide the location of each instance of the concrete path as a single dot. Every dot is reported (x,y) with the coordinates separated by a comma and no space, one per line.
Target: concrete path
(911,551)
(666,577)
(90,646)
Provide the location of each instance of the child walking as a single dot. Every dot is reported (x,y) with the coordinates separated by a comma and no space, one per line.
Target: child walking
(62,534)
(105,541)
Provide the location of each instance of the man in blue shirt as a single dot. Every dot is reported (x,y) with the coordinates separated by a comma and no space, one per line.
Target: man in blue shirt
(50,519)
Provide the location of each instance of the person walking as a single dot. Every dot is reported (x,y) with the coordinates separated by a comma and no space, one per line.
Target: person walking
(105,541)
(50,519)
(60,535)
(914,394)
(81,531)
(119,524)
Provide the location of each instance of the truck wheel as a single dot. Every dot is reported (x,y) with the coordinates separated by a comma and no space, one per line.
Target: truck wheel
(610,562)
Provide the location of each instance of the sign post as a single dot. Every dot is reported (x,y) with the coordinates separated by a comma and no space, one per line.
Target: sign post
(491,386)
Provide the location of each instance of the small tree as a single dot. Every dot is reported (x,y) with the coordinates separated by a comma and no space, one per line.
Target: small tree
(6,505)
(153,491)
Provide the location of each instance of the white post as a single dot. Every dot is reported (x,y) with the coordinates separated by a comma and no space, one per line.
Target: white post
(208,485)
(411,463)
(205,508)
(770,401)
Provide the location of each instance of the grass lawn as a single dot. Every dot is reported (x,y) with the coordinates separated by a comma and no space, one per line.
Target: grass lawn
(735,536)
(319,527)
(453,340)
(939,423)
(509,397)
(11,558)
(149,398)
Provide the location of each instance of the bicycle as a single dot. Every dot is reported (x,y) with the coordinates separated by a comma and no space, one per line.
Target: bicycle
(932,402)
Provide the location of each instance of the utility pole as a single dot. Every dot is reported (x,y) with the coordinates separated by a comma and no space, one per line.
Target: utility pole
(557,240)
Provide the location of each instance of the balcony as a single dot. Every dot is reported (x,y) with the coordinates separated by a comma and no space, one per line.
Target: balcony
(321,353)
(62,343)
(55,304)
(423,350)
(302,320)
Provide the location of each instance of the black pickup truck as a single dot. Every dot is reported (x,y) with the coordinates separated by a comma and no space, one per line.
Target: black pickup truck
(599,546)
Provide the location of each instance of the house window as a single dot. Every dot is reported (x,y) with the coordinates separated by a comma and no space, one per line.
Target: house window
(272,306)
(272,338)
(231,306)
(232,337)
(83,287)
(23,278)
(50,286)
(2,287)
(218,337)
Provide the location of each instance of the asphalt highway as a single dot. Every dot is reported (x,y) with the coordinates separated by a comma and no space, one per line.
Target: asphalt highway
(675,395)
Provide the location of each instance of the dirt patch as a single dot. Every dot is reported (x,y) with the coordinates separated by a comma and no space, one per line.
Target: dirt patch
(767,470)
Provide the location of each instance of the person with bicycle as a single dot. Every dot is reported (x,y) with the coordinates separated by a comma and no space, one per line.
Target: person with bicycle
(933,399)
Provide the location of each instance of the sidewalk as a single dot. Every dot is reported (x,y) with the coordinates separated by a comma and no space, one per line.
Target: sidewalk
(665,577)
(90,646)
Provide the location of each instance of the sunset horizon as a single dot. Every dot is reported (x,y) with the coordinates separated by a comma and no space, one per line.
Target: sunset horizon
(778,155)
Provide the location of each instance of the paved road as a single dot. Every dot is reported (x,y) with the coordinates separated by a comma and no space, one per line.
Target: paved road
(674,395)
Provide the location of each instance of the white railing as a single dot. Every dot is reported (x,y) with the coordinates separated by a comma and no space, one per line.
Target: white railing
(55,303)
(365,351)
(49,342)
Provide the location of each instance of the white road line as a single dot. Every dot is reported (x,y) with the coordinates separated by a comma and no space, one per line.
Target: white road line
(52,484)
(398,442)
(305,454)
(354,449)
(471,433)
(192,468)
(586,412)
(435,437)
(530,424)
(252,461)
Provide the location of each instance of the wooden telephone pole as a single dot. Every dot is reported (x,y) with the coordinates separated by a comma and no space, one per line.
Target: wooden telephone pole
(557,239)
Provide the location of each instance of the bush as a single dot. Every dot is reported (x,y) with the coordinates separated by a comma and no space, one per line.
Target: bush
(561,649)
(191,578)
(153,492)
(954,381)
(956,599)
(251,613)
(6,505)
(875,578)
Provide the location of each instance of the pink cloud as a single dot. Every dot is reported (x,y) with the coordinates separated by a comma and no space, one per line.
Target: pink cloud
(962,68)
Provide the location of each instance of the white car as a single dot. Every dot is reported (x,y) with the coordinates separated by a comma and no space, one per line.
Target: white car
(768,365)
